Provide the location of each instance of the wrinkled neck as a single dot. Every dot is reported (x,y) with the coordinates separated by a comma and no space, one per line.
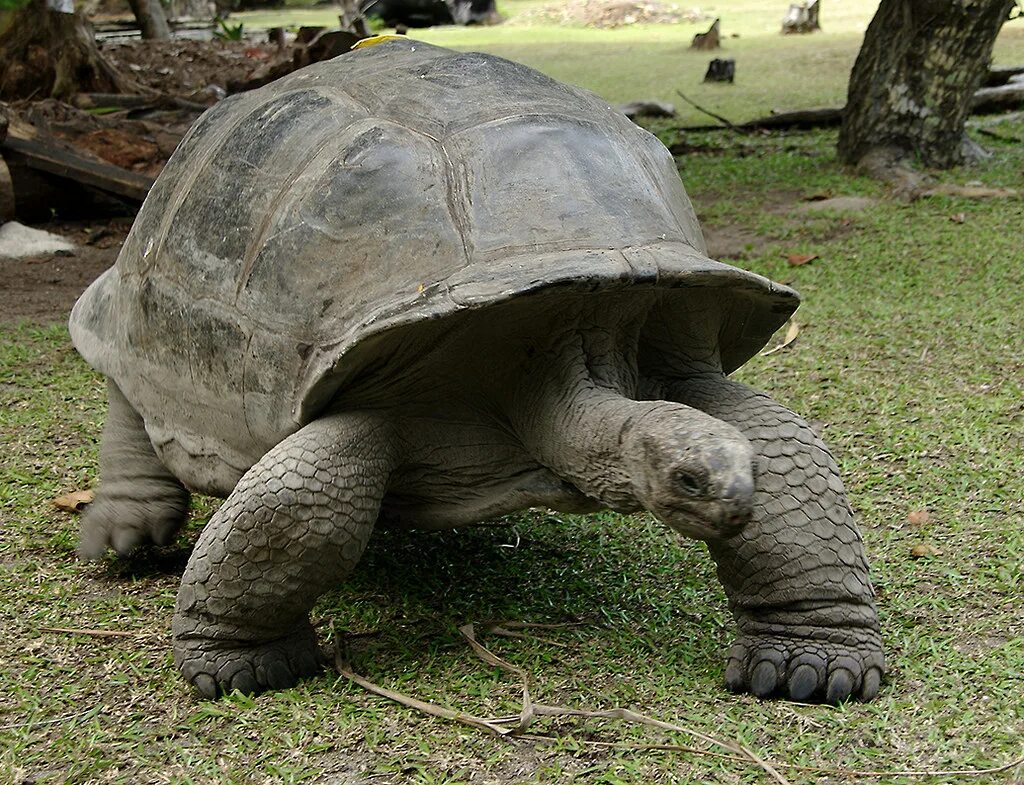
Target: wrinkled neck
(581,425)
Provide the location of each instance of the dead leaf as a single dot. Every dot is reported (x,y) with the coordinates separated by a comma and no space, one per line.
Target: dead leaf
(256,54)
(74,501)
(958,218)
(797,259)
(819,196)
(923,550)
(918,517)
(791,334)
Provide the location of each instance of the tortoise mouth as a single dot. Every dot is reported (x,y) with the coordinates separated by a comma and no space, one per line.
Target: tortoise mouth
(707,520)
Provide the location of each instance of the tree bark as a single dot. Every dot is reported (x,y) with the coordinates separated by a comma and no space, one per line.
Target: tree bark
(912,84)
(52,53)
(151,18)
(191,9)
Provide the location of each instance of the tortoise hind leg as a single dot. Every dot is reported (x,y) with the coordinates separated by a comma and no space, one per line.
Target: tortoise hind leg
(796,576)
(296,523)
(139,501)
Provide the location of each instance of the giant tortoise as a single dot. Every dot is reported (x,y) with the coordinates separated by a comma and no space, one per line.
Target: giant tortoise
(412,287)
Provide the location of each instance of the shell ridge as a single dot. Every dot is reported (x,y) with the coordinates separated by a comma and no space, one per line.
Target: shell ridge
(491,121)
(456,198)
(260,236)
(246,355)
(196,167)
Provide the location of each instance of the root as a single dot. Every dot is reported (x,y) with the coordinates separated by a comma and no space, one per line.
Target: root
(892,166)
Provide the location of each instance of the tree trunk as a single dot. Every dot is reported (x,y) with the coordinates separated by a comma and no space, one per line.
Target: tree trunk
(52,53)
(191,9)
(911,87)
(152,21)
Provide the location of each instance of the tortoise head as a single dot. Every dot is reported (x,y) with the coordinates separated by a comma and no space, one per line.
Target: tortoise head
(692,471)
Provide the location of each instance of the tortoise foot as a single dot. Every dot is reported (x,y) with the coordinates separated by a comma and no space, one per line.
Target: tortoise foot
(808,668)
(126,524)
(216,666)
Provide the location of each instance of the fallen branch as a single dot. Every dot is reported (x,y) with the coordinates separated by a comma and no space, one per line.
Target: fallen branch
(995,99)
(130,101)
(504,632)
(801,118)
(728,123)
(1001,74)
(969,191)
(1000,137)
(495,726)
(987,99)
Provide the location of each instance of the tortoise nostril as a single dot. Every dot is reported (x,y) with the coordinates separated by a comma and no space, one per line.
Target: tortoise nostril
(740,491)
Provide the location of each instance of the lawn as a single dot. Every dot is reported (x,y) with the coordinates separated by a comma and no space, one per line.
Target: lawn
(909,360)
(654,61)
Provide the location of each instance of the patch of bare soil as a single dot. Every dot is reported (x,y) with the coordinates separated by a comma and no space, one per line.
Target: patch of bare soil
(188,68)
(43,288)
(612,13)
(817,217)
(731,241)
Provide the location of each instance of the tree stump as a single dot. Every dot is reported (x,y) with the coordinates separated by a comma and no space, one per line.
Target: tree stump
(709,40)
(801,18)
(50,53)
(721,70)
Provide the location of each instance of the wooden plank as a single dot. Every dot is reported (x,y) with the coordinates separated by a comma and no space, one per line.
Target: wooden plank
(53,160)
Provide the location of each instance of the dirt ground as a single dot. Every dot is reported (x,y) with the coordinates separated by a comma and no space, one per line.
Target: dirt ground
(42,289)
(187,68)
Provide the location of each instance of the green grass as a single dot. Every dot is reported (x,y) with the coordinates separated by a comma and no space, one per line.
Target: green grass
(654,61)
(910,360)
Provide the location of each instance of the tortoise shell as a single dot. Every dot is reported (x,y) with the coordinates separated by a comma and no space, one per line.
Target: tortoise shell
(395,184)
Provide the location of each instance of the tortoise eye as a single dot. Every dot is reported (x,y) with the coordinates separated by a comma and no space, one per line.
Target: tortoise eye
(688,484)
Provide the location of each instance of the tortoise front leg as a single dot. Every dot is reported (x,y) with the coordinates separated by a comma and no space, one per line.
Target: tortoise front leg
(139,501)
(796,576)
(296,523)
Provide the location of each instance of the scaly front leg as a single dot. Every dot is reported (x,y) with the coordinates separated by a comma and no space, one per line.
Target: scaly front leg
(296,523)
(796,576)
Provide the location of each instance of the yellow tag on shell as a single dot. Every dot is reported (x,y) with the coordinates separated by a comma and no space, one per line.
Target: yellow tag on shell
(373,40)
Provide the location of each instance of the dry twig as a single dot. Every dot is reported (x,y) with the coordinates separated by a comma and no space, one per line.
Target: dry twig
(91,632)
(728,123)
(736,751)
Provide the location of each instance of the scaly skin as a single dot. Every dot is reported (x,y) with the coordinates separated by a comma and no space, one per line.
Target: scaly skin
(295,525)
(139,501)
(796,576)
